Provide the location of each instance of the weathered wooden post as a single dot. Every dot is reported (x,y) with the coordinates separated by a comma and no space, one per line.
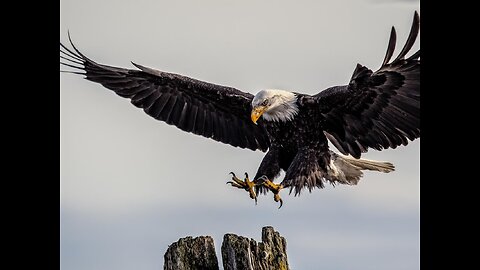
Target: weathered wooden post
(242,253)
(238,253)
(191,254)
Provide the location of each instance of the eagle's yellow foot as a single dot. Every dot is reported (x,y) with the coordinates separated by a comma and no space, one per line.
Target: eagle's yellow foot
(244,184)
(274,188)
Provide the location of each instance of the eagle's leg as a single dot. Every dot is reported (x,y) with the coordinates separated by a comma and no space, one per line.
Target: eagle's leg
(274,188)
(244,184)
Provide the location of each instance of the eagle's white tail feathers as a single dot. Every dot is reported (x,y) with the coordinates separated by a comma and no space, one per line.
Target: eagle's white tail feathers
(348,170)
(367,164)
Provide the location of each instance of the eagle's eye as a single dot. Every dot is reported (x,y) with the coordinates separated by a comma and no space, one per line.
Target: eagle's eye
(265,102)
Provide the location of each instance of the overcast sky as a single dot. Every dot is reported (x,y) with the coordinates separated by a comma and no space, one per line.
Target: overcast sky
(131,185)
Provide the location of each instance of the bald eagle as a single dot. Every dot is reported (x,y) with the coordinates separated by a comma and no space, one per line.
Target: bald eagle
(376,110)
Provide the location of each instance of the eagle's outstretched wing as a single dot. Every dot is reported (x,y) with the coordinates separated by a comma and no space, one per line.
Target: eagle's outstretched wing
(213,111)
(377,109)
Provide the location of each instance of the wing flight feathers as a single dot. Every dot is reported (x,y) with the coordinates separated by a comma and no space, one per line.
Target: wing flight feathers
(213,111)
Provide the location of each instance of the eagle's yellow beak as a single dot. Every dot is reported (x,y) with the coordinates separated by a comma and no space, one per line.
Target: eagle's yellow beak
(257,112)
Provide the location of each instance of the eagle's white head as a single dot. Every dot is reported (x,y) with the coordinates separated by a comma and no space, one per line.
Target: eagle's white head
(274,105)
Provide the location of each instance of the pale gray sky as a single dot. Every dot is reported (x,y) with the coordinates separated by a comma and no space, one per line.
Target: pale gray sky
(131,185)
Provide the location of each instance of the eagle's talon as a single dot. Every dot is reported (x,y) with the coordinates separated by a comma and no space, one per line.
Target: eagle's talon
(245,184)
(234,184)
(236,181)
(277,198)
(274,188)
